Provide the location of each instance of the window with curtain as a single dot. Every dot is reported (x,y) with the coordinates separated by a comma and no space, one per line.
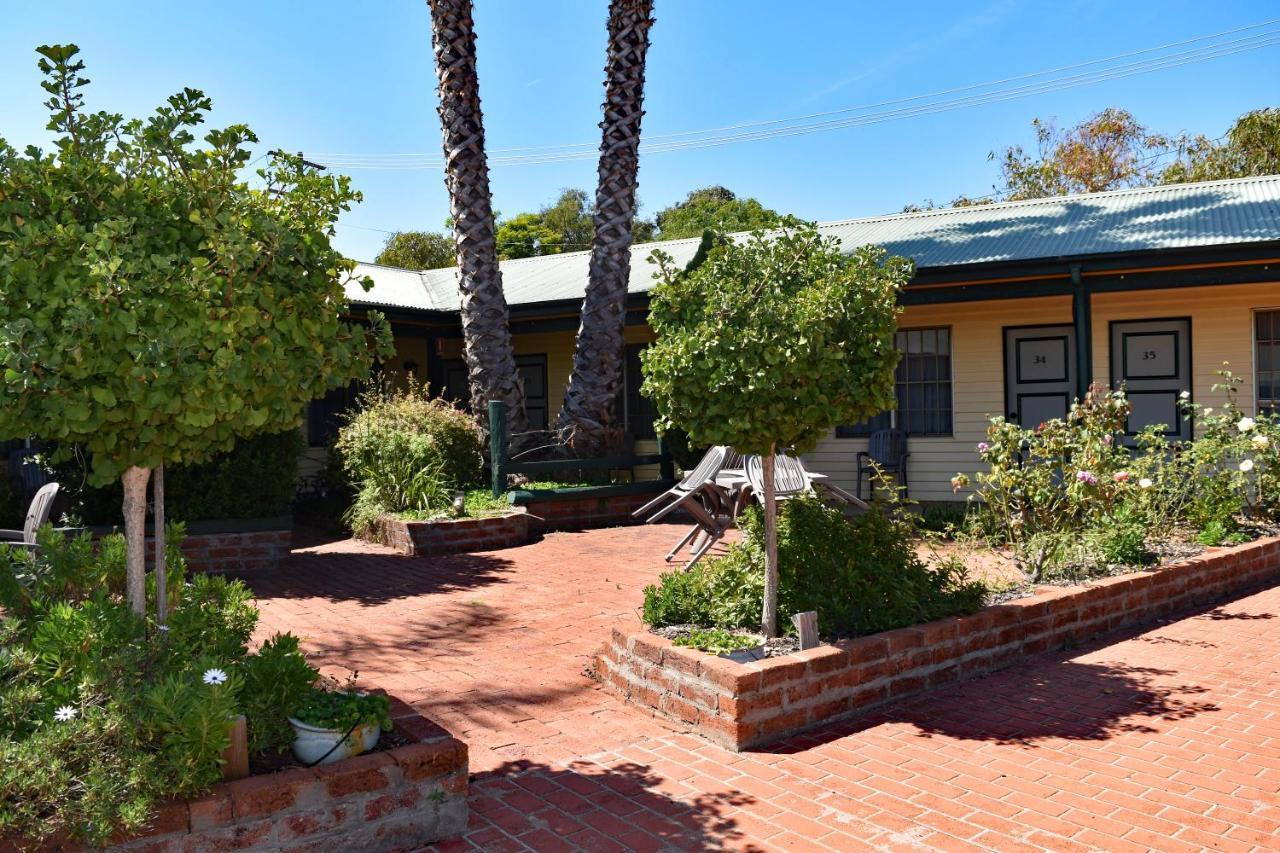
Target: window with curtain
(1266,342)
(923,387)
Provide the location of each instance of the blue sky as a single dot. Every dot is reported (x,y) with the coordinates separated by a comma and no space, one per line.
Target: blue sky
(357,78)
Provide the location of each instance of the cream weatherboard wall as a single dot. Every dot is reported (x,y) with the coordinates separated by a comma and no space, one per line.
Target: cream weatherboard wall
(977,391)
(1221,330)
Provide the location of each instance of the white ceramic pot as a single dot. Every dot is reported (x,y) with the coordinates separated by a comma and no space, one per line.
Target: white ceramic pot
(311,743)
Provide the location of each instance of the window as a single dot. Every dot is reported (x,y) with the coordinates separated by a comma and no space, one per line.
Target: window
(923,387)
(533,372)
(327,414)
(1266,337)
(634,413)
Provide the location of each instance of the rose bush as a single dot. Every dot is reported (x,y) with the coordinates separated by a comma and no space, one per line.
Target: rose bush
(1071,496)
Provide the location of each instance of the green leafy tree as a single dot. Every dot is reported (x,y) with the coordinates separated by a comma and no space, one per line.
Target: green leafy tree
(716,208)
(1251,147)
(1106,151)
(527,236)
(417,250)
(154,307)
(570,217)
(769,342)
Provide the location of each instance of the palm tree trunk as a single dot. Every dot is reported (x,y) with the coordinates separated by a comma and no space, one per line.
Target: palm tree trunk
(597,360)
(486,333)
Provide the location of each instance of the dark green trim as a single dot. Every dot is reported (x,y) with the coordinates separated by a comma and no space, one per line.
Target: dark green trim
(1082,319)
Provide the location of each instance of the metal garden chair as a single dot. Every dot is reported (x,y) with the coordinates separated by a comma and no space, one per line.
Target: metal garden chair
(37,516)
(886,451)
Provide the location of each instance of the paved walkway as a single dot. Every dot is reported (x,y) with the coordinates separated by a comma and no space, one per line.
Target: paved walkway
(1165,739)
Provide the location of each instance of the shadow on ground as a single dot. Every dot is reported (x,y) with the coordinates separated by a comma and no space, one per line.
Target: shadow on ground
(376,578)
(593,806)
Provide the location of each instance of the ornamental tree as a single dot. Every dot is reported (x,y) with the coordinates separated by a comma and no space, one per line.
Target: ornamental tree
(770,342)
(153,306)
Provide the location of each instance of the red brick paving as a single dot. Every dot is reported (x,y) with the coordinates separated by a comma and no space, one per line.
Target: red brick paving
(1164,739)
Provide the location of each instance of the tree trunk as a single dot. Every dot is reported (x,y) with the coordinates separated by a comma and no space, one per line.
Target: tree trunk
(769,622)
(161,570)
(486,333)
(597,360)
(135,537)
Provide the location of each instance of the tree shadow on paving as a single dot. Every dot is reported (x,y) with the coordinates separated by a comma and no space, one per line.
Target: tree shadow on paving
(1218,614)
(372,579)
(1054,700)
(594,806)
(448,630)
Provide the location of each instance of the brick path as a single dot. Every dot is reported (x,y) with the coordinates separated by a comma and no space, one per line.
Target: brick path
(1165,739)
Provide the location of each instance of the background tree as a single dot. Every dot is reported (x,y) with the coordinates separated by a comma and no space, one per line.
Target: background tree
(417,250)
(1251,147)
(716,208)
(1107,151)
(486,331)
(153,307)
(527,236)
(769,343)
(587,412)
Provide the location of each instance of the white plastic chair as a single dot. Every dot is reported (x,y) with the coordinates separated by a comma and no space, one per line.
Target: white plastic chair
(37,516)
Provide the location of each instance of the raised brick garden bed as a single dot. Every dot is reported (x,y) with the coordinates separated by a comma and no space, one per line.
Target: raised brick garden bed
(532,517)
(587,512)
(249,551)
(454,535)
(401,799)
(744,705)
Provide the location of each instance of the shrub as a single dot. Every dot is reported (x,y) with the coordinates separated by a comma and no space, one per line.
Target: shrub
(406,451)
(679,598)
(1071,499)
(255,479)
(276,681)
(102,715)
(861,576)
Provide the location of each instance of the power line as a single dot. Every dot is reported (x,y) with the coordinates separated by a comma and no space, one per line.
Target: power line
(858,108)
(1200,54)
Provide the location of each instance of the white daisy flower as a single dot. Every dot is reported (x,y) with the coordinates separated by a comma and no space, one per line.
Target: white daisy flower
(214,676)
(1245,424)
(1185,395)
(65,713)
(1246,466)
(1145,483)
(1260,441)
(1208,411)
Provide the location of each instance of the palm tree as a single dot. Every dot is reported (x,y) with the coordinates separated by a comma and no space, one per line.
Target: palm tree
(597,360)
(486,334)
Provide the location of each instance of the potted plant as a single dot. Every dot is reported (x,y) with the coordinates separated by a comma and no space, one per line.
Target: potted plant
(330,725)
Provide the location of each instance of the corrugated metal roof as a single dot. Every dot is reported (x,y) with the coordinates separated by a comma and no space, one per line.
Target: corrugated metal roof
(1151,218)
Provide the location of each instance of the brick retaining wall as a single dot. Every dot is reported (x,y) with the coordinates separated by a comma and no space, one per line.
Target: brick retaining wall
(523,523)
(587,513)
(743,705)
(259,550)
(454,535)
(401,799)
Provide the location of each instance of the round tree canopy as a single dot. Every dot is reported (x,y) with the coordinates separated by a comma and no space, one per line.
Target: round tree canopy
(773,340)
(153,306)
